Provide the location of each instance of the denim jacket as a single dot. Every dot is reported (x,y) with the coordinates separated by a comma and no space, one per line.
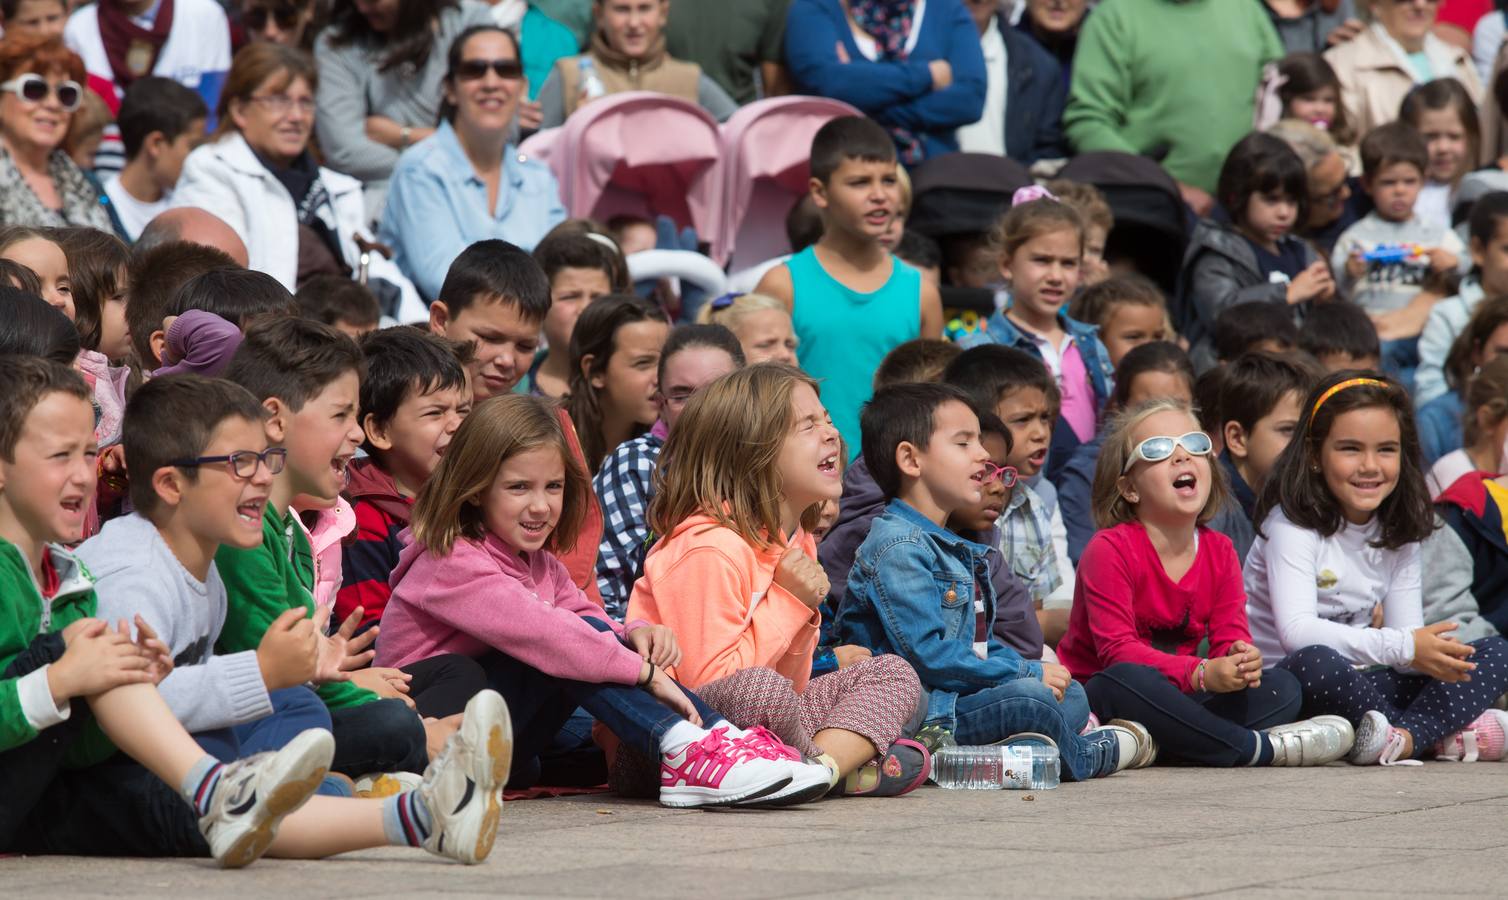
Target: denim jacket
(1000,330)
(911,592)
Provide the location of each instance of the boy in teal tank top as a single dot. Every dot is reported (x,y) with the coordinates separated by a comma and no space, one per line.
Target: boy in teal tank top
(851,301)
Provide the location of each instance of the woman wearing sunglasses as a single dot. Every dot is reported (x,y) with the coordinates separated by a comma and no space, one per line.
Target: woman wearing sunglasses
(288,22)
(1154,584)
(466,183)
(627,53)
(39,92)
(297,218)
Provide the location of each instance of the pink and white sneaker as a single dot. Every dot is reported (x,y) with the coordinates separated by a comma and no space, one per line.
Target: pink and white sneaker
(809,780)
(1483,739)
(718,771)
(1378,743)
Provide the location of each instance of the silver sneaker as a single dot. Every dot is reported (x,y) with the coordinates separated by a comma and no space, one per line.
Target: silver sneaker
(1312,742)
(255,794)
(463,786)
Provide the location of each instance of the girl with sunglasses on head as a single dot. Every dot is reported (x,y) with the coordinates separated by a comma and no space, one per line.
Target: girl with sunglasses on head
(1341,522)
(466,183)
(1154,584)
(39,92)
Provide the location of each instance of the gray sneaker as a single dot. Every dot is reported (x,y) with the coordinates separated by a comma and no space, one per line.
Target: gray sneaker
(257,792)
(463,786)
(1312,742)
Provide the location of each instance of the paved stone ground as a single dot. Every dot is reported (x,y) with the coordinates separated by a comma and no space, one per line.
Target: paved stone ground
(1338,832)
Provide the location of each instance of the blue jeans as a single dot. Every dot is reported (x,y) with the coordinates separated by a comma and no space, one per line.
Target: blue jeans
(1026,704)
(539,705)
(294,710)
(380,736)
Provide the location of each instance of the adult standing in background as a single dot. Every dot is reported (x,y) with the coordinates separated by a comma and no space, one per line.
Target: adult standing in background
(1024,94)
(1055,25)
(1314,26)
(1175,80)
(914,66)
(738,43)
(380,67)
(628,53)
(466,183)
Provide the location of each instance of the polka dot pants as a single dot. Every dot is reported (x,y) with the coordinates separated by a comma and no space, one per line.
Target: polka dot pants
(1428,709)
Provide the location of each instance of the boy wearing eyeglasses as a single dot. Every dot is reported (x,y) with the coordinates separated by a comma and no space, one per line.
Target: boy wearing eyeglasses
(925,593)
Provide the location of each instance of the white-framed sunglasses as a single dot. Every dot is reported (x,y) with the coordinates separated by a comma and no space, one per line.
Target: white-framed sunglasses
(1157,449)
(33,88)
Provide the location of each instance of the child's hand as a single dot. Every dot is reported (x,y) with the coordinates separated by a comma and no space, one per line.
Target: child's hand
(82,626)
(1442,260)
(848,654)
(158,652)
(802,576)
(655,643)
(386,683)
(1248,662)
(1439,655)
(1057,678)
(1223,675)
(1314,283)
(112,460)
(289,652)
(358,649)
(99,659)
(664,689)
(1356,264)
(1377,618)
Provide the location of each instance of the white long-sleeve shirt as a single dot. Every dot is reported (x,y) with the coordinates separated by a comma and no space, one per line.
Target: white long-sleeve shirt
(1303,589)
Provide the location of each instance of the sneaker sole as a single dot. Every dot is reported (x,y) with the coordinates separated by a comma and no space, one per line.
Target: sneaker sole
(312,748)
(486,725)
(699,798)
(1366,733)
(1146,747)
(793,794)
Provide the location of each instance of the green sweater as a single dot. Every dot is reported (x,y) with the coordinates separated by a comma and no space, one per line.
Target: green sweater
(25,616)
(1178,76)
(264,582)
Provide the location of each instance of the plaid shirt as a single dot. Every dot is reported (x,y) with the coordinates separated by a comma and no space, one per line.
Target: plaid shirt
(624,486)
(1026,541)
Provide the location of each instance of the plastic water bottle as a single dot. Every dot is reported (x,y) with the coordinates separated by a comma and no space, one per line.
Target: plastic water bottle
(591,85)
(1021,767)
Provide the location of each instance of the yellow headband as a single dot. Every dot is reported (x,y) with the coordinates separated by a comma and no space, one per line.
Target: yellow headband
(1348,383)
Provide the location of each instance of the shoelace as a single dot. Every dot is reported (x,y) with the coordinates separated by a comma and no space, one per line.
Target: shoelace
(767,745)
(714,754)
(1392,749)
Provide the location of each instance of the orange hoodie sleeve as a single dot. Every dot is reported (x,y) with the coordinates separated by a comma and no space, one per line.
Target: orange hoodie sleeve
(581,557)
(707,597)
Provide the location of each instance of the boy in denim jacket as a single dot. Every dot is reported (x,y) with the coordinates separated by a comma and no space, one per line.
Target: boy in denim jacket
(920,591)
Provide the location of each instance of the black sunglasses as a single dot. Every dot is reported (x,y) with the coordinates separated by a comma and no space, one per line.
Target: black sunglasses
(256,18)
(472,69)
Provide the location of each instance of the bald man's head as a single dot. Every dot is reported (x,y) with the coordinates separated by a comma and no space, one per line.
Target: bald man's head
(197,226)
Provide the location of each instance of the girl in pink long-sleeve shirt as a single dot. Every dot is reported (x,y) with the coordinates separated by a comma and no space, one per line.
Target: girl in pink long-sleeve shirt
(1154,584)
(478,578)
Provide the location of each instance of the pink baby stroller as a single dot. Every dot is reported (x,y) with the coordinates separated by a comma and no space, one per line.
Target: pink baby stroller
(766,146)
(640,154)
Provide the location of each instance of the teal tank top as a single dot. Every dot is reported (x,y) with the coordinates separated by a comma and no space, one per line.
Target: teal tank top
(845,334)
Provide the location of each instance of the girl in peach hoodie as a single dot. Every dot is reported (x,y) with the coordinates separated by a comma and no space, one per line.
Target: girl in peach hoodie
(740,481)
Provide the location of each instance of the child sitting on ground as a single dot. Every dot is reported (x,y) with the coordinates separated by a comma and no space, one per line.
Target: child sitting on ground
(736,576)
(761,323)
(1128,309)
(580,268)
(1265,189)
(1255,326)
(413,396)
(1154,585)
(924,593)
(1484,430)
(1482,338)
(479,579)
(1341,336)
(1099,221)
(345,305)
(1447,319)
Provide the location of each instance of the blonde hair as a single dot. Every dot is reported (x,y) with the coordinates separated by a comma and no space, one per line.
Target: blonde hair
(903,183)
(1033,219)
(449,506)
(740,308)
(1086,200)
(724,452)
(1110,507)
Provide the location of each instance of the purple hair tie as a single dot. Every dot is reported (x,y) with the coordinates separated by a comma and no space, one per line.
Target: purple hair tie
(1031,192)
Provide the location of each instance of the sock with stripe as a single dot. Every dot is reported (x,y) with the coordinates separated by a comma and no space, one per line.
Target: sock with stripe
(406,820)
(199,784)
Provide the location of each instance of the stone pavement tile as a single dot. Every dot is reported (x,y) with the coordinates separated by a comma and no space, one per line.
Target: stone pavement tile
(1480,873)
(1465,826)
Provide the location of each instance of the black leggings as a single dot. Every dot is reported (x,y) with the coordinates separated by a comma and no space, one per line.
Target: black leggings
(1426,708)
(1204,729)
(443,685)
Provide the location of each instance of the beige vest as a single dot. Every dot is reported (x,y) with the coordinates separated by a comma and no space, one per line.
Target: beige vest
(657,72)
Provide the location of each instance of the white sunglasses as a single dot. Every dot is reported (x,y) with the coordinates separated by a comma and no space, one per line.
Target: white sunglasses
(33,88)
(1157,449)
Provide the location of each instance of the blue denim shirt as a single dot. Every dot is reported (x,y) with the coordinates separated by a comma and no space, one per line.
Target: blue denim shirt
(911,592)
(1000,330)
(437,207)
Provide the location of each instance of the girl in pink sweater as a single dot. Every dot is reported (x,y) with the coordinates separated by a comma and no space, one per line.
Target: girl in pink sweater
(478,577)
(1154,584)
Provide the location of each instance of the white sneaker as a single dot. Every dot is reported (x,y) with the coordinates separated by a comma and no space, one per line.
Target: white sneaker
(463,786)
(386,784)
(255,794)
(1319,741)
(1378,743)
(719,771)
(1145,753)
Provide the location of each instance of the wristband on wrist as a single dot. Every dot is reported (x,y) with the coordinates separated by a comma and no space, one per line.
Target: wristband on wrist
(405,136)
(644,682)
(1199,674)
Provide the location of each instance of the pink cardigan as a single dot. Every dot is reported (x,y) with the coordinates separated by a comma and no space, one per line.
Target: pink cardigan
(486,596)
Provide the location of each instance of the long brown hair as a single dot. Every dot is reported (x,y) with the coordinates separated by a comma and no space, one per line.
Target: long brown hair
(596,336)
(722,458)
(449,506)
